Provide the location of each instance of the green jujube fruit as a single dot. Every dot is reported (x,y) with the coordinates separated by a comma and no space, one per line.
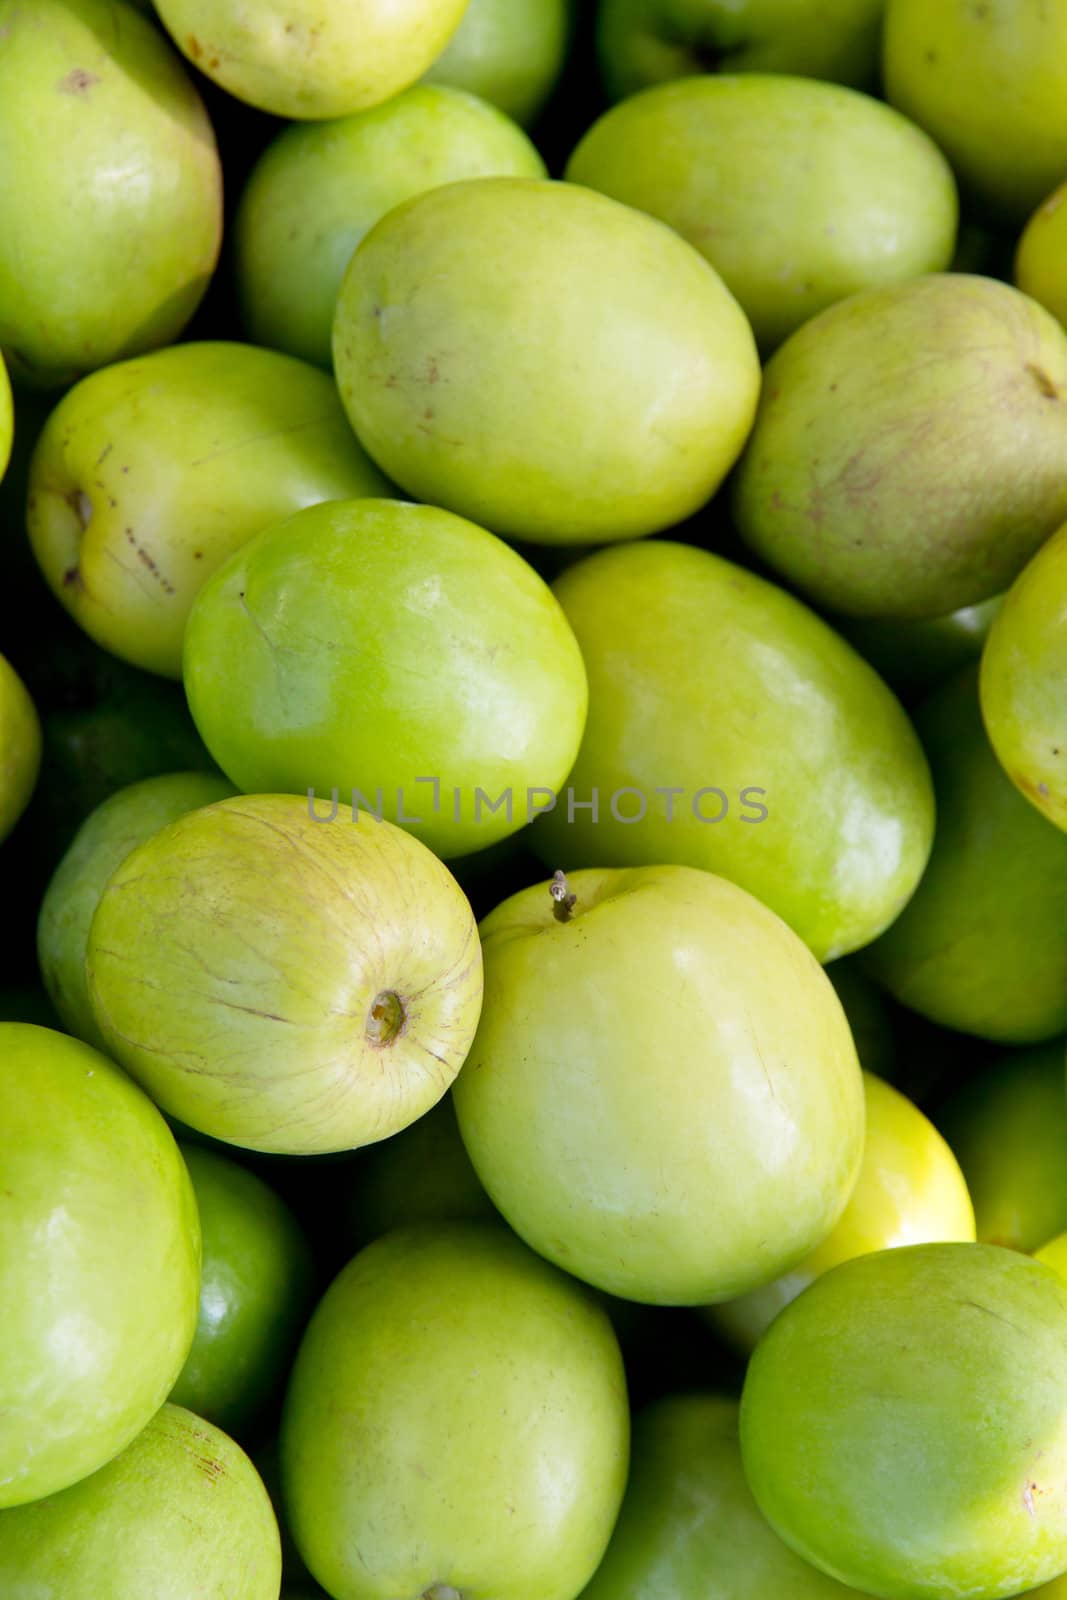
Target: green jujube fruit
(509,52)
(20,747)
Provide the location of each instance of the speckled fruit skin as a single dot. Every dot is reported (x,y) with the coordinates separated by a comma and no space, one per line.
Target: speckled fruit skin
(509,52)
(456,1424)
(491,365)
(377,647)
(20,747)
(101,844)
(1040,269)
(910,452)
(312,58)
(910,1190)
(904,1423)
(320,187)
(989,83)
(256,1286)
(148,475)
(111,99)
(1008,1128)
(180,1512)
(704,676)
(99,1262)
(1024,681)
(798,193)
(689,1524)
(278,942)
(642,42)
(982,945)
(663,1096)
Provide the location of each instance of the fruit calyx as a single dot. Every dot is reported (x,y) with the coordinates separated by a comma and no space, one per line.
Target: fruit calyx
(385,1022)
(563,900)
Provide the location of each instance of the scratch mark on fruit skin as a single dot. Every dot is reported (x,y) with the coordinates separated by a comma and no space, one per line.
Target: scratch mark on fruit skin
(1028,1499)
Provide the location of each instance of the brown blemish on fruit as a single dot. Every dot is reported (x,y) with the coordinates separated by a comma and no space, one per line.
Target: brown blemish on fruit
(433,371)
(194,47)
(72,578)
(1043,381)
(78,81)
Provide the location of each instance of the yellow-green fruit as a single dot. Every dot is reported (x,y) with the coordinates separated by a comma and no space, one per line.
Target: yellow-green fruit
(544,361)
(509,52)
(798,193)
(1024,681)
(910,1191)
(20,747)
(7,417)
(1041,258)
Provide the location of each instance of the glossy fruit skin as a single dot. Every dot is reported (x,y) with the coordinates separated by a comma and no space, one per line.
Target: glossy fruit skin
(7,418)
(910,1190)
(642,42)
(982,945)
(101,844)
(20,747)
(836,489)
(689,1524)
(1008,1129)
(111,98)
(490,365)
(275,938)
(99,1261)
(256,1288)
(1039,258)
(759,698)
(322,638)
(509,52)
(990,85)
(914,655)
(1024,681)
(181,1511)
(904,1423)
(456,1417)
(654,1168)
(798,193)
(320,187)
(148,475)
(311,58)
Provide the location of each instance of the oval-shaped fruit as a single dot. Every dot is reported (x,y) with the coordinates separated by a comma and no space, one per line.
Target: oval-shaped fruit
(1040,258)
(915,654)
(101,844)
(663,1096)
(148,475)
(910,1190)
(312,58)
(989,83)
(323,980)
(509,52)
(689,1525)
(99,1262)
(1024,681)
(642,42)
(910,452)
(456,1423)
(181,1512)
(255,1294)
(320,187)
(730,728)
(982,945)
(904,1423)
(1008,1129)
(129,154)
(798,193)
(20,747)
(392,651)
(491,364)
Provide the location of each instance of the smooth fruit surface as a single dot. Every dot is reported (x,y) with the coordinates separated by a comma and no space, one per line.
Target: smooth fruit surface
(885,484)
(1024,681)
(111,100)
(490,365)
(910,1190)
(101,844)
(394,651)
(509,52)
(1041,256)
(20,746)
(456,1424)
(99,1261)
(730,728)
(180,1512)
(323,980)
(982,945)
(663,1096)
(798,193)
(904,1423)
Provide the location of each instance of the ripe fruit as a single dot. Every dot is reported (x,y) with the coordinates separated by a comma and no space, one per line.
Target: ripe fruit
(510,52)
(20,747)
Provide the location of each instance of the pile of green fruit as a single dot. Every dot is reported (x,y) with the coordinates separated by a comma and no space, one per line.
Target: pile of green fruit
(533,799)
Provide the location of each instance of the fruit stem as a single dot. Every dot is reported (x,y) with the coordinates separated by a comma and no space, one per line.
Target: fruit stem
(563,901)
